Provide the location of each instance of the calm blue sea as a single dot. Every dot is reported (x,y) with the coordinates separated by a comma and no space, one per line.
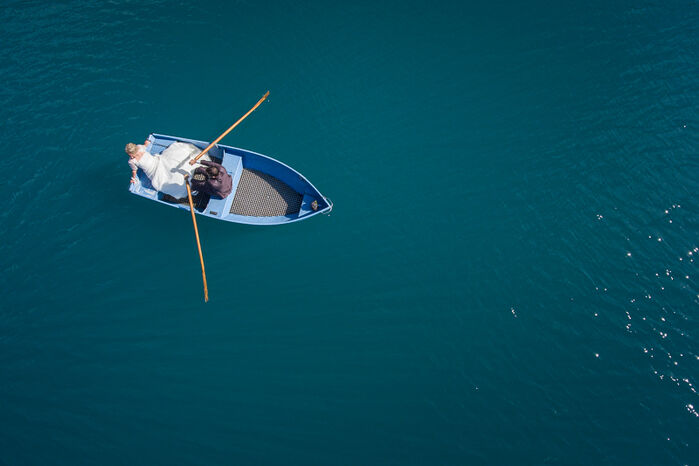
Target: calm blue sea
(509,275)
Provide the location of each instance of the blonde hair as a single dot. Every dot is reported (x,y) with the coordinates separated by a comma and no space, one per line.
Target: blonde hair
(131,148)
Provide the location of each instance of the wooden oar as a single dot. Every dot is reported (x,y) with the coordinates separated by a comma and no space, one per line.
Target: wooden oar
(196,233)
(201,154)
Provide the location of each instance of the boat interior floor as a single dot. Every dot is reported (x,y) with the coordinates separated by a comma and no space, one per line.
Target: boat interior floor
(262,195)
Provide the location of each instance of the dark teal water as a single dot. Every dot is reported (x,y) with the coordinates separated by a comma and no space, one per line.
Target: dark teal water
(508,276)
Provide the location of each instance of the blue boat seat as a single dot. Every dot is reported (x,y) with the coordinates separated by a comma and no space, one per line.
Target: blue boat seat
(306,205)
(234,166)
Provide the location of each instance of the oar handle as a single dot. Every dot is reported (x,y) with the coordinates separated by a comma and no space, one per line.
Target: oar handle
(201,154)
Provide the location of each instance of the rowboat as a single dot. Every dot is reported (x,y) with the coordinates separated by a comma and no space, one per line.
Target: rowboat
(265,190)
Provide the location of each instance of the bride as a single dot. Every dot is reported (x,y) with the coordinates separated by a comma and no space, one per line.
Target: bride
(167,170)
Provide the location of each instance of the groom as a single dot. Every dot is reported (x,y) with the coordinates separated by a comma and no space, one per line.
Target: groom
(212,179)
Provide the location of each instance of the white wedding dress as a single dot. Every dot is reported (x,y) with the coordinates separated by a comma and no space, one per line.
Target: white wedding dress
(166,170)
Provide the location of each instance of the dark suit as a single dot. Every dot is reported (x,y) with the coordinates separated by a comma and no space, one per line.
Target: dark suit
(219,186)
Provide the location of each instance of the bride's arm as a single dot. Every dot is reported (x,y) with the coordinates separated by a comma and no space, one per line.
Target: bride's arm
(134,169)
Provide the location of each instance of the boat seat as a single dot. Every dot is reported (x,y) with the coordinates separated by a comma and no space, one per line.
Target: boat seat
(157,148)
(234,166)
(306,205)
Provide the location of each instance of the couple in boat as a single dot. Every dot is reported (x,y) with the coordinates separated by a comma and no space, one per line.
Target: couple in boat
(167,170)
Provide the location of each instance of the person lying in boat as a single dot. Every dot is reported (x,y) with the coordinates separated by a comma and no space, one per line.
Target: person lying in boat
(166,171)
(213,180)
